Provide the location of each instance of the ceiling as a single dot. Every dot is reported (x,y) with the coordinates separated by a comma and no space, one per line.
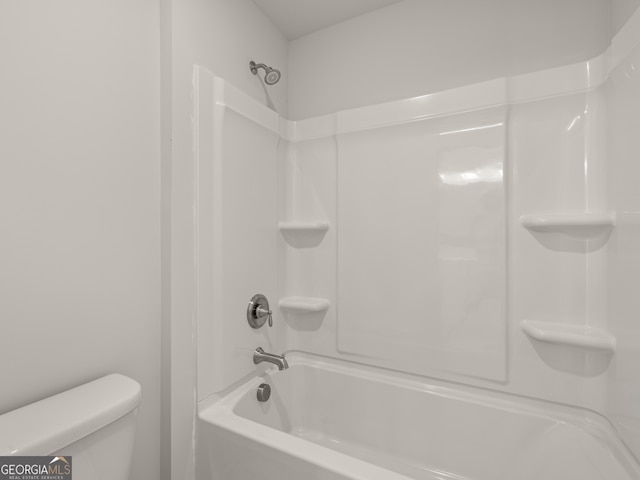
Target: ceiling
(296,18)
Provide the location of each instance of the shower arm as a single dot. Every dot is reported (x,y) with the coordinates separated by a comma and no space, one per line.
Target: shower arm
(255,66)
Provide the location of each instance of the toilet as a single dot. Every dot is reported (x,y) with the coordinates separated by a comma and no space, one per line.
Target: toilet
(94,423)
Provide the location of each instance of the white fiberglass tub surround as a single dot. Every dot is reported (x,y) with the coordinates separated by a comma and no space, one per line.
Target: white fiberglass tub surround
(329,419)
(467,235)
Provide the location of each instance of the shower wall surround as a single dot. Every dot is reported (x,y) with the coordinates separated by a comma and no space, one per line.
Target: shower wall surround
(426,263)
(483,235)
(236,227)
(422,244)
(224,35)
(622,97)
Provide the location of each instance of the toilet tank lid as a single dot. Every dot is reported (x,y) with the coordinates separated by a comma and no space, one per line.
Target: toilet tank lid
(48,425)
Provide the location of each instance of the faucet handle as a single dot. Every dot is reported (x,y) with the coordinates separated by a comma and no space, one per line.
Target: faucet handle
(265,312)
(258,311)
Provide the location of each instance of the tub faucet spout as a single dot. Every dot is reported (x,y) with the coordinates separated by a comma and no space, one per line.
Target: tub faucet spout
(260,356)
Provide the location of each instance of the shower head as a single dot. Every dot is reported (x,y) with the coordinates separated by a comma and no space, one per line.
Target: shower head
(271,75)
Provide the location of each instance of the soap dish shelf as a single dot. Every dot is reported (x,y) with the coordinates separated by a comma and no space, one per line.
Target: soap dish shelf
(303,234)
(571,335)
(304,304)
(580,224)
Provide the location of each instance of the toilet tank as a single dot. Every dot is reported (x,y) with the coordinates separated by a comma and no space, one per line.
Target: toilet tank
(93,423)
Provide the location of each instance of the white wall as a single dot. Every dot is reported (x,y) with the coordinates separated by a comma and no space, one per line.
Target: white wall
(415,47)
(165,213)
(222,36)
(79,202)
(621,11)
(623,95)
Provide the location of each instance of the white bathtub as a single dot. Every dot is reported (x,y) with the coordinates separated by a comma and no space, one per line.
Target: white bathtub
(331,420)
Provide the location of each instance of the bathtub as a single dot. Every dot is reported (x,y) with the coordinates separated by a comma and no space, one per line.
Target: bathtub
(334,420)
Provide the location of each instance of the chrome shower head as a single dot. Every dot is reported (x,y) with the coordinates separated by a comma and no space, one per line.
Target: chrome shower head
(271,75)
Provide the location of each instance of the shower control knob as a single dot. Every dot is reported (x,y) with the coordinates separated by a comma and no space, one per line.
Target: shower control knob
(258,311)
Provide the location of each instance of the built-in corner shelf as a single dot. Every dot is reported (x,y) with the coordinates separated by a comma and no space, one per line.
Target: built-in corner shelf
(304,304)
(579,224)
(303,234)
(303,227)
(571,335)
